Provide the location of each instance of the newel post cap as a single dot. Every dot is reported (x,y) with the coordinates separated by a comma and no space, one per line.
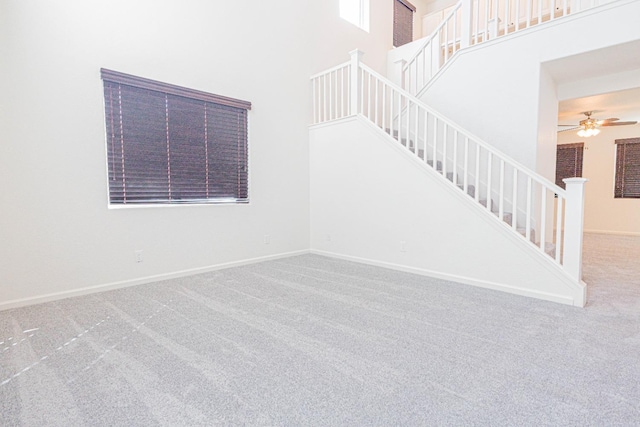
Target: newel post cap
(356,53)
(573,181)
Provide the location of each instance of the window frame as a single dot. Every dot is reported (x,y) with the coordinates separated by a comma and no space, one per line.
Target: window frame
(363,20)
(620,167)
(215,180)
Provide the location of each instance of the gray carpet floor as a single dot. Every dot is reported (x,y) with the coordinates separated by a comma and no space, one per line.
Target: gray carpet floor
(310,340)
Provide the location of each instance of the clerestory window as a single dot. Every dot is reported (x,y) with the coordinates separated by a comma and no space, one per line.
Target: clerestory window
(356,12)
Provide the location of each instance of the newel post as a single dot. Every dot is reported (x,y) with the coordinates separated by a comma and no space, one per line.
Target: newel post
(400,79)
(354,96)
(466,23)
(573,227)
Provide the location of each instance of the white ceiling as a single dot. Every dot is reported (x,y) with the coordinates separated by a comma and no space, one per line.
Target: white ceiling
(624,105)
(601,68)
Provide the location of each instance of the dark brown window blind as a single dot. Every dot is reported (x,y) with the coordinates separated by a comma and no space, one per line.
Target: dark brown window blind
(627,168)
(402,22)
(568,162)
(169,144)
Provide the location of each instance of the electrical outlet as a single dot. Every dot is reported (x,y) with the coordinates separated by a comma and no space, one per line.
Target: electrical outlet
(327,237)
(267,239)
(138,255)
(403,246)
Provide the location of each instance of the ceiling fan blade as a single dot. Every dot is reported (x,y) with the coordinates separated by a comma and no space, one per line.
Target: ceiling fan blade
(566,130)
(619,123)
(612,119)
(569,125)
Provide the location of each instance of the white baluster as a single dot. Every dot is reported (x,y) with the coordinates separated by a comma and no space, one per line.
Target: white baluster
(417,129)
(506,16)
(435,143)
(486,21)
(324,98)
(426,121)
(466,23)
(376,109)
(400,118)
(501,200)
(446,41)
(465,168)
(489,173)
(514,203)
(559,212)
(445,132)
(454,169)
(543,217)
(528,213)
(361,109)
(477,190)
(314,107)
(368,96)
(356,55)
(331,115)
(342,113)
(384,107)
(539,11)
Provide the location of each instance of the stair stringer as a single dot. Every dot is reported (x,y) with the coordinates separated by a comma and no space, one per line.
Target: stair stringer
(369,194)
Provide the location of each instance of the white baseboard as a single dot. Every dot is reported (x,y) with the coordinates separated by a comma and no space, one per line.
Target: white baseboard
(6,305)
(614,233)
(562,299)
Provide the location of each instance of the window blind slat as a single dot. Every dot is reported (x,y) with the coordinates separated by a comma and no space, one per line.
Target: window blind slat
(166,148)
(569,159)
(627,181)
(402,23)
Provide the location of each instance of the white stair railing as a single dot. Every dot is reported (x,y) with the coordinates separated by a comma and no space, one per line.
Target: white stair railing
(471,22)
(534,208)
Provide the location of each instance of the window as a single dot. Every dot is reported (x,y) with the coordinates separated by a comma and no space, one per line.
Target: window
(402,22)
(627,168)
(356,12)
(568,162)
(172,145)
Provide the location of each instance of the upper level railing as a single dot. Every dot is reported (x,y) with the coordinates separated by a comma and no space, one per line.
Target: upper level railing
(534,208)
(471,22)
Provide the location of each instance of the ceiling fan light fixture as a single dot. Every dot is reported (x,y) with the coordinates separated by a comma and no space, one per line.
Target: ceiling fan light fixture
(585,133)
(589,127)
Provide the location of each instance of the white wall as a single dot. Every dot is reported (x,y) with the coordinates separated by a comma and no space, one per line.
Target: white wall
(603,212)
(368,195)
(57,232)
(494,90)
(58,235)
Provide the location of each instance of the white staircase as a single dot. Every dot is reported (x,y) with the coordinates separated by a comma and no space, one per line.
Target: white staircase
(530,206)
(546,219)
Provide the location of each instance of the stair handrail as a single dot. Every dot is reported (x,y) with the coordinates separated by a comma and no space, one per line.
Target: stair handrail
(475,29)
(534,175)
(422,50)
(353,89)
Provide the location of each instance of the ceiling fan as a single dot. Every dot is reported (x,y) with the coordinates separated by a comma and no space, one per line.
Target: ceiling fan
(589,127)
